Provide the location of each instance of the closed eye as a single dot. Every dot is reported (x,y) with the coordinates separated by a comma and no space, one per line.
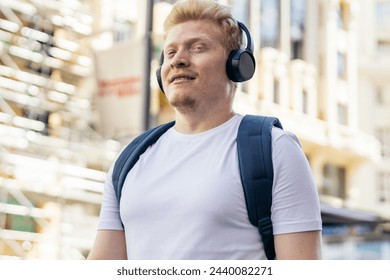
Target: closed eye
(198,47)
(169,53)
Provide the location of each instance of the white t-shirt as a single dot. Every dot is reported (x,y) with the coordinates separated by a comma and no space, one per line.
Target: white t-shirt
(184,198)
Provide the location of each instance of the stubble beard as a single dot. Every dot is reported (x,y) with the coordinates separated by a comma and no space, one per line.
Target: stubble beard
(185,103)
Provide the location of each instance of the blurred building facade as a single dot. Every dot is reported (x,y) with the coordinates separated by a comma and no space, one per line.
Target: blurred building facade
(52,160)
(322,68)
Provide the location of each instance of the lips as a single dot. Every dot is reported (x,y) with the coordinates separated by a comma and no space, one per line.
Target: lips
(182,77)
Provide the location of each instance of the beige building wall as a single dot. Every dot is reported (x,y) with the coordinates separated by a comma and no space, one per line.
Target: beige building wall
(317,98)
(374,93)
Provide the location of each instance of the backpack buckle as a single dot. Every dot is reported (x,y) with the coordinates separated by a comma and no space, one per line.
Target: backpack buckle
(265,227)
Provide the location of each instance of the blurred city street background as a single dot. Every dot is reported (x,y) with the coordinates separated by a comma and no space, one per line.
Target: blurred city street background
(77,83)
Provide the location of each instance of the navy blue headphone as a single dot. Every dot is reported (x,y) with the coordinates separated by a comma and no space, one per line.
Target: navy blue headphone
(240,65)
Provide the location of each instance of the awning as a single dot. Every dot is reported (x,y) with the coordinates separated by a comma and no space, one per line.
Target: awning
(339,215)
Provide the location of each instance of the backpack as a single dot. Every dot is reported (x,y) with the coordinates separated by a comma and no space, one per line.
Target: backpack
(254,145)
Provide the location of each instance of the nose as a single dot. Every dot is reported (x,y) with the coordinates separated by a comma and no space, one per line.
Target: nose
(180,60)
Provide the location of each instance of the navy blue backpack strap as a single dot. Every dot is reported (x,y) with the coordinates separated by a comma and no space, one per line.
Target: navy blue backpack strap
(130,155)
(254,145)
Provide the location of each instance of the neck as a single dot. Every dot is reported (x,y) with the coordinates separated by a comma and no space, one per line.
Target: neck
(196,123)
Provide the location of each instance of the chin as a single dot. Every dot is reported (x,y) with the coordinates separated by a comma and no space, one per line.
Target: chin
(184,103)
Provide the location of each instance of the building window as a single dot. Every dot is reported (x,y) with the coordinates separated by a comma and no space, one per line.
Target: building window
(334,181)
(341,66)
(343,14)
(383,25)
(342,114)
(122,30)
(240,10)
(382,15)
(276,91)
(305,101)
(297,16)
(270,23)
(384,46)
(384,187)
(383,135)
(379,96)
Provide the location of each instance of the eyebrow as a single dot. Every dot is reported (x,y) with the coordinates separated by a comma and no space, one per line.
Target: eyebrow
(191,41)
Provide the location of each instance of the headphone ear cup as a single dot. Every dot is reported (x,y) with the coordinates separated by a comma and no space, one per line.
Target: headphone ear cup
(240,65)
(158,72)
(158,75)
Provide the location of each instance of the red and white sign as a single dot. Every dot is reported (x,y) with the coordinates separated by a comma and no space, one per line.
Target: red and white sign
(119,73)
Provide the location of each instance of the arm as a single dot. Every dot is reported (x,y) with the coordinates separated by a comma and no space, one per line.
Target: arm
(110,241)
(109,245)
(296,212)
(298,246)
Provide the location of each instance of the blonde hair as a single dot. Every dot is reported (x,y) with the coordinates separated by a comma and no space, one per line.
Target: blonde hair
(212,11)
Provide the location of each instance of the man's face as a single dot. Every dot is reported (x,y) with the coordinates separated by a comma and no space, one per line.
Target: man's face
(194,69)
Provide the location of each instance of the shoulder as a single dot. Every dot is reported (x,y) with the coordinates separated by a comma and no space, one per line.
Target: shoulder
(284,140)
(283,135)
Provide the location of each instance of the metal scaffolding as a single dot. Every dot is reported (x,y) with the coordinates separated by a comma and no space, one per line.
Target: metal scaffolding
(52,161)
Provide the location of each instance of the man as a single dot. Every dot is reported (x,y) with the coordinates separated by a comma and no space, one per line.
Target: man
(184,198)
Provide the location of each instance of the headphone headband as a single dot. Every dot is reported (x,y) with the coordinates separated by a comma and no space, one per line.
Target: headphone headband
(249,43)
